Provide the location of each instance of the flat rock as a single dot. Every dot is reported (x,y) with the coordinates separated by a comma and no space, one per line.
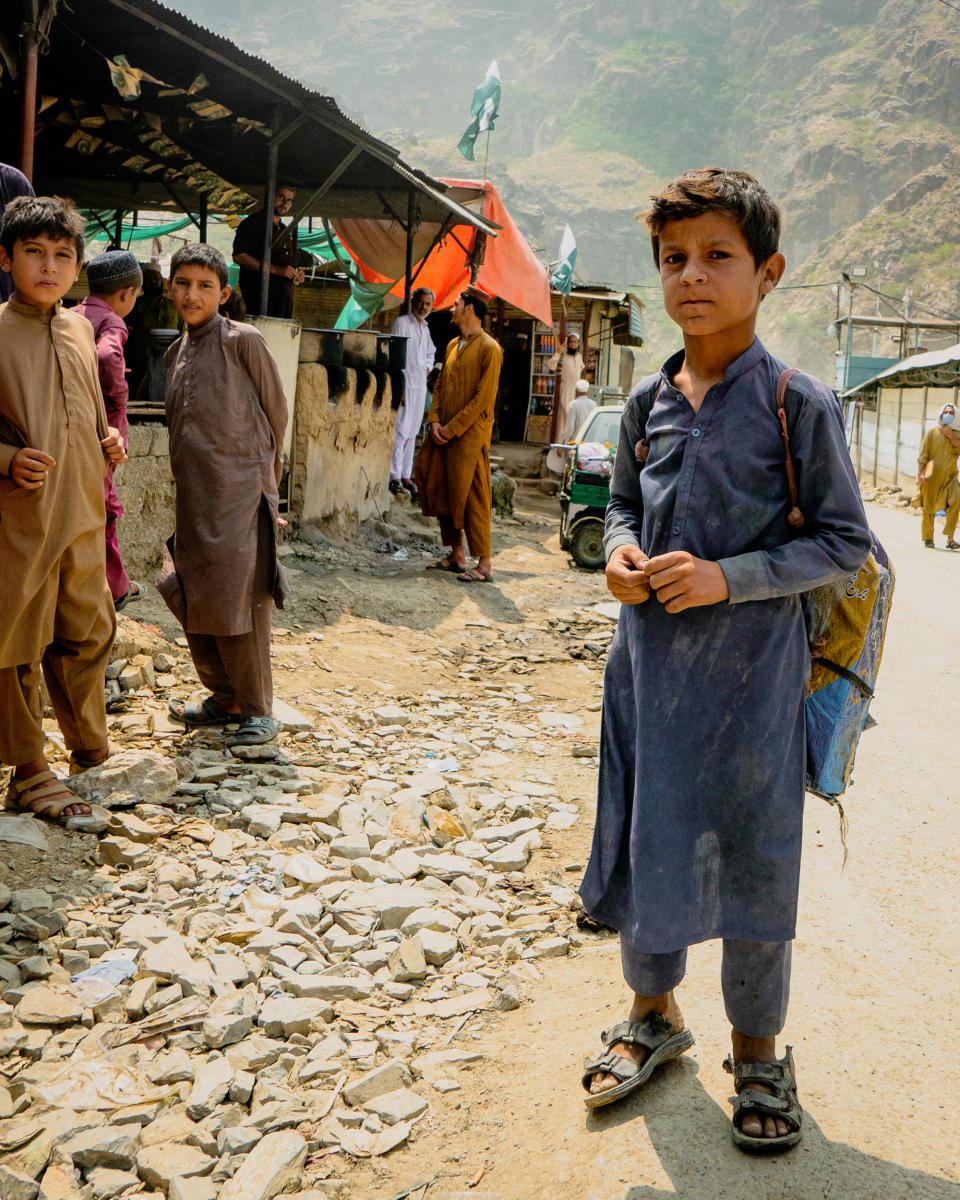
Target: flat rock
(107,1183)
(44,1005)
(121,852)
(159,1165)
(400,1105)
(16,1186)
(192,1188)
(330,987)
(151,777)
(106,1147)
(268,1168)
(407,962)
(284,1016)
(437,947)
(224,1029)
(58,1183)
(292,721)
(389,1077)
(211,1083)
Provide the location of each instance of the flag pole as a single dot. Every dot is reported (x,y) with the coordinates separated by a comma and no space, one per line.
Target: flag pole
(486,155)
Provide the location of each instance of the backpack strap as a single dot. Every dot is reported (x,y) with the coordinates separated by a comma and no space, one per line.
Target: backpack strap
(795,516)
(642,449)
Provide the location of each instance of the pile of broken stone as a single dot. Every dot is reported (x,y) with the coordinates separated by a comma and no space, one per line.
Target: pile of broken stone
(276,961)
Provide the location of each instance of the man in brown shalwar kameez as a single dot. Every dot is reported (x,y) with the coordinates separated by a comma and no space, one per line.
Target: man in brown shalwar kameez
(226,414)
(452,470)
(56,613)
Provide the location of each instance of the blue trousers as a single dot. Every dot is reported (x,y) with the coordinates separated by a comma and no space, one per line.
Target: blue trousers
(755,977)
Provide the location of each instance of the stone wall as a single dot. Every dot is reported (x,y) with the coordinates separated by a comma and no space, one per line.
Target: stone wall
(341,463)
(145,487)
(343,440)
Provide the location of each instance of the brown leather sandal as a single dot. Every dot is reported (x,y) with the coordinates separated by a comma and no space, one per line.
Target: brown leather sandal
(45,796)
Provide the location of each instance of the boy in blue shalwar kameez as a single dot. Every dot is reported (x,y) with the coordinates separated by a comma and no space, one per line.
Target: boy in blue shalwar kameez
(702,762)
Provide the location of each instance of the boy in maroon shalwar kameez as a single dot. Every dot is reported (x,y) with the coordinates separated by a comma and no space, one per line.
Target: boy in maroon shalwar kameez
(114,280)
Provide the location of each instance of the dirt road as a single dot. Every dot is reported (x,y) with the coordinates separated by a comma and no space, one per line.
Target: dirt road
(874,1018)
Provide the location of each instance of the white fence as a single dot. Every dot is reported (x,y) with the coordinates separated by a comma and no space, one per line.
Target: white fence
(885,439)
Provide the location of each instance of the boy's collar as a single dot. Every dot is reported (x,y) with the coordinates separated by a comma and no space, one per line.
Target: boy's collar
(738,367)
(199,331)
(34,310)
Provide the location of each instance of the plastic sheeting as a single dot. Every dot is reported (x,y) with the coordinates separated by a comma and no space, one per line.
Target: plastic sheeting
(509,268)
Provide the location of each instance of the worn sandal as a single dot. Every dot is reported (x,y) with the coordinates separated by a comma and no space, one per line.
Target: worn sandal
(656,1034)
(447,564)
(476,575)
(194,715)
(781,1078)
(44,795)
(79,762)
(254,731)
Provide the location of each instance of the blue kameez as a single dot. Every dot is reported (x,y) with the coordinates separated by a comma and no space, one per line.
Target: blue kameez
(702,758)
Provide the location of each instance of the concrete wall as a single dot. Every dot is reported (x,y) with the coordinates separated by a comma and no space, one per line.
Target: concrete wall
(145,487)
(342,444)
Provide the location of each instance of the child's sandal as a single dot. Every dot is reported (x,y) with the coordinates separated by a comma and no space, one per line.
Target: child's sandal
(44,795)
(780,1102)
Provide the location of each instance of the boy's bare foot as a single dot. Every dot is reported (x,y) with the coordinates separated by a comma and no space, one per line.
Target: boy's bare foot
(666,1006)
(747,1049)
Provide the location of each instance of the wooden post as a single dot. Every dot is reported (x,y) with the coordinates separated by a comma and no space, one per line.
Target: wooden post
(269,198)
(408,260)
(28,96)
(203,217)
(118,229)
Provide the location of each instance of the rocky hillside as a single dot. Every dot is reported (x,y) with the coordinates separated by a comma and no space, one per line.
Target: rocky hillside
(849,111)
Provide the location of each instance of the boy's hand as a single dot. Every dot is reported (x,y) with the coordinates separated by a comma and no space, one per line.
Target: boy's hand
(112,446)
(625,576)
(29,468)
(682,581)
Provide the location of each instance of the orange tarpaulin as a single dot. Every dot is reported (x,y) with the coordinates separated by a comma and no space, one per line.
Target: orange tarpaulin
(509,269)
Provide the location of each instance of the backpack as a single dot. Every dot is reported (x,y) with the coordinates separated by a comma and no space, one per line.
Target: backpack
(846,625)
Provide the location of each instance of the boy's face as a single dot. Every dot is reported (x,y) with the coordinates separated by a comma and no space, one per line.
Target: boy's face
(711,285)
(43,268)
(197,294)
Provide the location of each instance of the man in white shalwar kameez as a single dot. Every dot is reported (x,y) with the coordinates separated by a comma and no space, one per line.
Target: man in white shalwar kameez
(421,353)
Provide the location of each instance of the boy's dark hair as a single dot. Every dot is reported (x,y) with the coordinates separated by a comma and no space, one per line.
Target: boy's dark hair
(716,189)
(479,306)
(199,254)
(30,216)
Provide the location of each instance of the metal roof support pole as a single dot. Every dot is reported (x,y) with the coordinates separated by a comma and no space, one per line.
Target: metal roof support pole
(118,230)
(28,95)
(876,436)
(203,217)
(408,259)
(269,197)
(324,187)
(896,445)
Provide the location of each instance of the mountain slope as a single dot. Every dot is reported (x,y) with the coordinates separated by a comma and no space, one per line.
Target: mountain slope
(848,110)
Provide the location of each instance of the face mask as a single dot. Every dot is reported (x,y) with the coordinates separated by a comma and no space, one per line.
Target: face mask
(947,419)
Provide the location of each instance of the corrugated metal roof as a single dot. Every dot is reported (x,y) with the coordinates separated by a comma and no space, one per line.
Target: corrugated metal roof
(158,150)
(935,368)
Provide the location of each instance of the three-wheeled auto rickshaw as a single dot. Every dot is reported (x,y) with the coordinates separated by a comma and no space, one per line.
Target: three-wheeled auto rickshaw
(585,489)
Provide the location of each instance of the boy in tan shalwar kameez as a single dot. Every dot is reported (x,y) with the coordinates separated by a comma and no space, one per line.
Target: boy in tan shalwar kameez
(452,469)
(56,612)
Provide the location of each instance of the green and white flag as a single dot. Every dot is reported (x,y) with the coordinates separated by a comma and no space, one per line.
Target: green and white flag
(562,278)
(485,109)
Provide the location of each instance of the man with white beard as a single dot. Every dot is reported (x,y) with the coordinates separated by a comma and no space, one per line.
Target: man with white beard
(421,353)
